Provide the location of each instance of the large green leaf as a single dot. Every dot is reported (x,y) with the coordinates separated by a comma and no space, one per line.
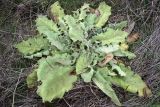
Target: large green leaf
(132,82)
(50,29)
(32,45)
(56,79)
(105,12)
(111,36)
(44,25)
(102,81)
(56,10)
(75,29)
(83,62)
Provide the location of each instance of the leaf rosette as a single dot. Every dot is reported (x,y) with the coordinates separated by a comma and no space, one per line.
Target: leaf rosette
(81,45)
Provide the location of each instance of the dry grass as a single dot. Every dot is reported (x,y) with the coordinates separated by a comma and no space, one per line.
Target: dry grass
(16,22)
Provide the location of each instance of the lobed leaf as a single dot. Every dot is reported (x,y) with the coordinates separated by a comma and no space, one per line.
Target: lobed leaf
(102,81)
(83,11)
(56,79)
(75,29)
(56,11)
(32,45)
(105,12)
(111,36)
(50,30)
(132,82)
